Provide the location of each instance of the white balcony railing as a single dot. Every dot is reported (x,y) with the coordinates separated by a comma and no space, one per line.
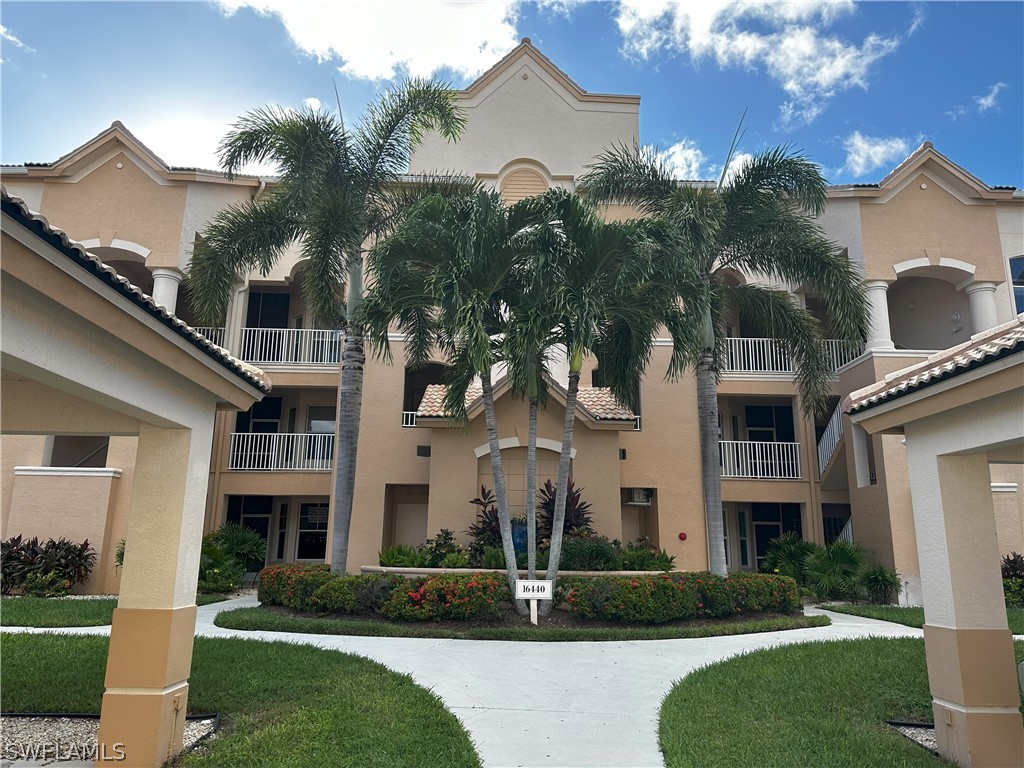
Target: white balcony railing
(830,439)
(769,356)
(253,451)
(408,418)
(770,461)
(216,335)
(308,346)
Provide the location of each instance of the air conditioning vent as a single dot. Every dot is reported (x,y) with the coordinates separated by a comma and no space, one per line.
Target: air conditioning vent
(639,497)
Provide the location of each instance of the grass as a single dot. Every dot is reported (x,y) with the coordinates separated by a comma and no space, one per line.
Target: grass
(282,705)
(268,619)
(56,612)
(914,617)
(822,704)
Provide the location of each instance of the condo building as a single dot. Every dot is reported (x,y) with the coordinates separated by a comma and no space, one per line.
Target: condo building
(942,257)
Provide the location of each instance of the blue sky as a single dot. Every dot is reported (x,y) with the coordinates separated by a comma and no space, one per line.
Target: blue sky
(856,86)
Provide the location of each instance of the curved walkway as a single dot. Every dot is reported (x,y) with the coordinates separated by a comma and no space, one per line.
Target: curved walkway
(586,705)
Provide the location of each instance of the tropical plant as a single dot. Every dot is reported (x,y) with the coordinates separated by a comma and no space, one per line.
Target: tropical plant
(486,530)
(21,559)
(642,555)
(880,584)
(833,571)
(440,548)
(337,188)
(758,222)
(1013,566)
(245,545)
(403,556)
(445,276)
(589,552)
(577,512)
(218,571)
(119,552)
(787,555)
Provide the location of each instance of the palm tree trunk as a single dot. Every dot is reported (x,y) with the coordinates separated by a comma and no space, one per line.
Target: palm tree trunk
(500,490)
(558,519)
(531,492)
(350,403)
(711,468)
(350,400)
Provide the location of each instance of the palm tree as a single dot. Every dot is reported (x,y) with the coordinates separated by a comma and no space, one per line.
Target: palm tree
(761,222)
(337,189)
(445,276)
(611,287)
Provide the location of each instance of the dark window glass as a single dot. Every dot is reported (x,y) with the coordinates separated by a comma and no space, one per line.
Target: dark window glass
(267,408)
(765,513)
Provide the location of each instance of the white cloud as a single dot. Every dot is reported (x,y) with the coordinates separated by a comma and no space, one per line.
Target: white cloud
(8,36)
(188,140)
(866,153)
(375,40)
(739,160)
(790,40)
(684,160)
(312,103)
(956,112)
(988,101)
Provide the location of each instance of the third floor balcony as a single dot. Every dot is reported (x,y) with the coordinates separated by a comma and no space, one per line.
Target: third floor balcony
(757,356)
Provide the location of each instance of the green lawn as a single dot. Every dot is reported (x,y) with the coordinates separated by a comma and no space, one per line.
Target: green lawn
(283,705)
(914,617)
(58,612)
(270,620)
(817,704)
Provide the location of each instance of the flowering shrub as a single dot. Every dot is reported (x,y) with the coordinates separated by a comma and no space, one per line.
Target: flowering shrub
(277,582)
(755,592)
(448,596)
(644,599)
(356,595)
(49,584)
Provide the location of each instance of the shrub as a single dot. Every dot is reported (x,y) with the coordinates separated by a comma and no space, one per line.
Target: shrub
(242,544)
(787,555)
(45,584)
(276,581)
(403,556)
(832,572)
(357,595)
(440,547)
(658,599)
(543,556)
(880,584)
(20,558)
(448,596)
(640,555)
(588,553)
(1013,566)
(218,572)
(486,531)
(119,552)
(1013,591)
(577,511)
(455,560)
(493,557)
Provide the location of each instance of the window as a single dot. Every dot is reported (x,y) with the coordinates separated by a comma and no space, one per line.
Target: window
(770,423)
(252,512)
(311,542)
(79,451)
(725,535)
(321,419)
(744,552)
(1017,276)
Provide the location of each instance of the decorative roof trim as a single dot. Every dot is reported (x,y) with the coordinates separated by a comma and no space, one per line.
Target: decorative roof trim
(59,240)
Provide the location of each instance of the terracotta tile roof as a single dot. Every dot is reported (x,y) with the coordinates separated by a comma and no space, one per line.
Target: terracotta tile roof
(987,347)
(602,405)
(597,402)
(38,225)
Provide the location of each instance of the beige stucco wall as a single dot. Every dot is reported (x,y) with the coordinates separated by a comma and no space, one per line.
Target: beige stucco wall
(16,451)
(1009,506)
(916,219)
(921,311)
(121,203)
(525,113)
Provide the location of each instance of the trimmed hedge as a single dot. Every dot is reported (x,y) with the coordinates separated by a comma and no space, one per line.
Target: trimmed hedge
(679,596)
(640,599)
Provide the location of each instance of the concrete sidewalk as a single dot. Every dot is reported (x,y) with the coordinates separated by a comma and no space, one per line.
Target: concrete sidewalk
(586,705)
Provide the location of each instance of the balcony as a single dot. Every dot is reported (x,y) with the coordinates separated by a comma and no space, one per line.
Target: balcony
(769,356)
(216,335)
(289,346)
(302,452)
(760,461)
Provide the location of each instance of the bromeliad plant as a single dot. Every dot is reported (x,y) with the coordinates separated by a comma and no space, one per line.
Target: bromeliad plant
(53,563)
(576,519)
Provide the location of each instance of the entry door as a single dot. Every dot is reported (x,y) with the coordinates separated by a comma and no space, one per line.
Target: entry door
(764,533)
(410,524)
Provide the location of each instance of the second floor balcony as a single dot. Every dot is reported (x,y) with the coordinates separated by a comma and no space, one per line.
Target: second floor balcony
(760,460)
(266,452)
(769,356)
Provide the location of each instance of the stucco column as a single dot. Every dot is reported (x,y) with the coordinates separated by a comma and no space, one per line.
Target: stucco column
(971,665)
(143,711)
(235,318)
(982,298)
(165,287)
(879,335)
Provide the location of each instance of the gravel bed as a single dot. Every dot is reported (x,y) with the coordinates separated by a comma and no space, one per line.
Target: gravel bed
(923,736)
(51,740)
